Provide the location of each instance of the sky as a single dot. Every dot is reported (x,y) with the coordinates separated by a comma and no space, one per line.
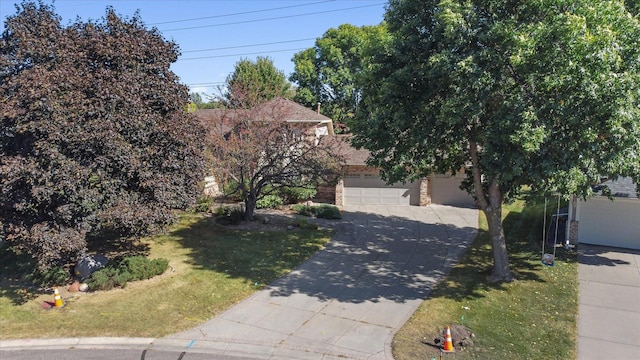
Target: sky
(213,35)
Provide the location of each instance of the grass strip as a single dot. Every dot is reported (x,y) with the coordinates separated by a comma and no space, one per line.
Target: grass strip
(211,269)
(531,318)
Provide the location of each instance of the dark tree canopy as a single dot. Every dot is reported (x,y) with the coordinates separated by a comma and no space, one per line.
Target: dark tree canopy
(537,93)
(94,133)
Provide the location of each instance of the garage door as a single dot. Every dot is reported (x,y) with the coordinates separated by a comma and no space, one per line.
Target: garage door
(445,190)
(367,189)
(610,223)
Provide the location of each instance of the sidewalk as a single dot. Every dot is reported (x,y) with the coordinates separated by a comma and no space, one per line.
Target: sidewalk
(609,303)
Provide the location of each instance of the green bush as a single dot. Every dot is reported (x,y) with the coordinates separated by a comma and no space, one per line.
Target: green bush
(304,210)
(142,268)
(228,215)
(49,277)
(132,268)
(269,202)
(297,194)
(328,212)
(204,204)
(322,211)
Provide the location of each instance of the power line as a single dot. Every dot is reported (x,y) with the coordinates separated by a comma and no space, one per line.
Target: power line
(246,46)
(272,18)
(245,54)
(239,13)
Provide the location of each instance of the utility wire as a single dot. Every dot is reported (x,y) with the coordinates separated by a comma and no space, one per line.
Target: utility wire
(245,54)
(239,13)
(246,46)
(273,18)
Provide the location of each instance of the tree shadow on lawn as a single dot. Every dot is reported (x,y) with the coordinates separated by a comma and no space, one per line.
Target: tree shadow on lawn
(523,231)
(371,257)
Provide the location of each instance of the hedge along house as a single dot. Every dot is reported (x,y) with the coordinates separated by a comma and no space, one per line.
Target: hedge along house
(362,184)
(603,221)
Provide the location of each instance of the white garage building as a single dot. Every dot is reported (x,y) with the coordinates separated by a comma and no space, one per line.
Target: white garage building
(602,221)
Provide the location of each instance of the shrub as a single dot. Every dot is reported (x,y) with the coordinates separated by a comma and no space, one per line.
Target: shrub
(328,212)
(204,204)
(304,210)
(228,215)
(269,202)
(49,277)
(297,194)
(322,211)
(132,268)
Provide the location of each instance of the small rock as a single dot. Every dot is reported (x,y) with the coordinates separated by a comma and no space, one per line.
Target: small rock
(75,287)
(290,227)
(83,287)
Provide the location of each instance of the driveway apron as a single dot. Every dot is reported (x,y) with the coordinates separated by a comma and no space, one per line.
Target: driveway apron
(348,300)
(608,303)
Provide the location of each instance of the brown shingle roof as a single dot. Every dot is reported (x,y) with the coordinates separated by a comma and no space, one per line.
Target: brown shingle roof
(342,147)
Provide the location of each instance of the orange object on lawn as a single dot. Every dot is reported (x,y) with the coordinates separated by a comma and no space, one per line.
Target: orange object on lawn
(57,300)
(448,343)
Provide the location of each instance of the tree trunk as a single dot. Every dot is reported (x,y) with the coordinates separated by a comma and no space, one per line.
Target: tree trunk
(249,207)
(501,271)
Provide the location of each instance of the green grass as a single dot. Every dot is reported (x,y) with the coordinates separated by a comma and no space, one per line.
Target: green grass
(210,269)
(531,318)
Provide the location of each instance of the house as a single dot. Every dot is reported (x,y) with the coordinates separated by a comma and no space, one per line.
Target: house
(603,221)
(362,184)
(220,122)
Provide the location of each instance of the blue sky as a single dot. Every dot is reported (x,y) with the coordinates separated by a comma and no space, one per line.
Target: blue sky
(215,34)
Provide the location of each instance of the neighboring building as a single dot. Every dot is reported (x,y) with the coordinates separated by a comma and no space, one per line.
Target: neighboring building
(602,221)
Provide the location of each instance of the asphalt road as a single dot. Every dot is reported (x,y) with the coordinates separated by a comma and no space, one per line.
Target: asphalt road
(111,354)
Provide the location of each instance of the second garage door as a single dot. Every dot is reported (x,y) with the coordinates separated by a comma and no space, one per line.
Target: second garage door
(368,189)
(445,190)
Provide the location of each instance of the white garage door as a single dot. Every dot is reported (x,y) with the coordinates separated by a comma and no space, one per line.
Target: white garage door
(367,189)
(445,190)
(610,223)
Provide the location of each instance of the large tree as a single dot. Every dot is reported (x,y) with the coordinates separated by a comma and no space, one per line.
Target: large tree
(537,93)
(329,72)
(254,82)
(94,133)
(257,152)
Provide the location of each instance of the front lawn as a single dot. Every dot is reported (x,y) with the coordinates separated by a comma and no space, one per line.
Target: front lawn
(531,318)
(210,269)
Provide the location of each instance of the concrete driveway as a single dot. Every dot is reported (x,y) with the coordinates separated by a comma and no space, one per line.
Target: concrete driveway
(348,300)
(609,303)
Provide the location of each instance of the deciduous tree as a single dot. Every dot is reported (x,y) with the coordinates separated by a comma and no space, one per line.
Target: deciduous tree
(258,152)
(253,83)
(537,93)
(329,72)
(94,133)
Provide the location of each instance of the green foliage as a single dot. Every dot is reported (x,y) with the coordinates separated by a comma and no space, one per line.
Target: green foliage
(297,194)
(271,201)
(53,276)
(539,94)
(329,73)
(327,212)
(323,211)
(204,204)
(303,223)
(101,141)
(229,215)
(253,83)
(133,268)
(305,210)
